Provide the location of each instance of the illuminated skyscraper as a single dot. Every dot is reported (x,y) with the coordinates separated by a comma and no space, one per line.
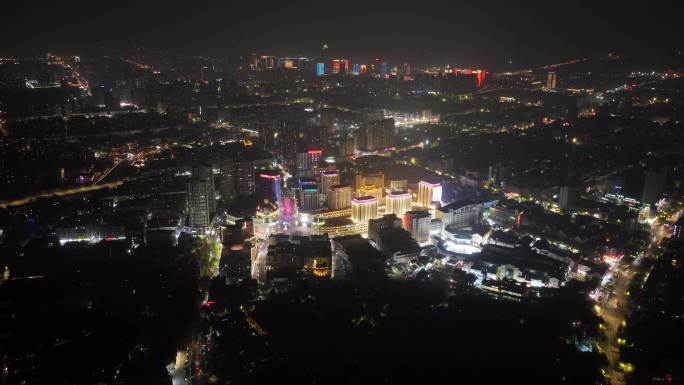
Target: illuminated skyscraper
(245,178)
(398,202)
(320,69)
(309,162)
(205,173)
(201,197)
(551,81)
(329,179)
(418,224)
(268,184)
(339,197)
(364,208)
(356,69)
(336,66)
(428,193)
(384,69)
(198,204)
(309,198)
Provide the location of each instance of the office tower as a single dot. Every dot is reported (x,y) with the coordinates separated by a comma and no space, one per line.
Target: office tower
(551,81)
(418,224)
(364,208)
(398,202)
(320,69)
(384,69)
(199,197)
(336,66)
(205,173)
(309,199)
(339,197)
(428,193)
(363,69)
(245,178)
(345,65)
(398,185)
(309,162)
(356,69)
(328,180)
(268,184)
(370,190)
(654,183)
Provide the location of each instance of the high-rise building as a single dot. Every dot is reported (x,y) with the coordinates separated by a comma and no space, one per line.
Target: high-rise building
(339,197)
(370,190)
(397,203)
(418,223)
(428,193)
(268,184)
(364,208)
(551,81)
(320,69)
(205,173)
(309,162)
(328,180)
(356,69)
(309,198)
(288,206)
(227,182)
(375,135)
(336,66)
(654,183)
(199,197)
(245,178)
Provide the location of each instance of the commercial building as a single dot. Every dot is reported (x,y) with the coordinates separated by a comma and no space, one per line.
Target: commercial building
(460,214)
(364,208)
(397,203)
(268,184)
(506,214)
(370,190)
(339,197)
(398,185)
(428,193)
(678,229)
(328,180)
(418,223)
(309,197)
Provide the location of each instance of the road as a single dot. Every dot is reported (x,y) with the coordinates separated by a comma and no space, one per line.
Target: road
(58,193)
(614,308)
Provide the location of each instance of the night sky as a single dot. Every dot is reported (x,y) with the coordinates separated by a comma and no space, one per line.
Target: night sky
(486,33)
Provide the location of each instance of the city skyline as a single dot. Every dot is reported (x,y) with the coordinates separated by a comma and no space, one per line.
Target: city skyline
(495,34)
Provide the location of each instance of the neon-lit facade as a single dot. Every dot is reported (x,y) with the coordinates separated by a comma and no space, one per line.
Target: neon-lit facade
(397,203)
(364,209)
(428,193)
(320,69)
